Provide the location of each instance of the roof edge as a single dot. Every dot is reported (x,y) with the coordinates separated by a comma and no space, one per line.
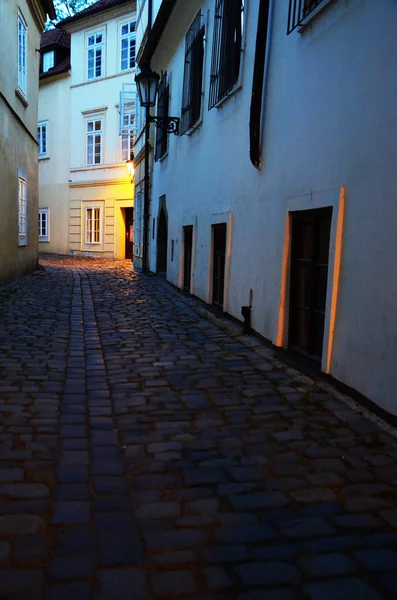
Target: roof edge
(85,14)
(153,38)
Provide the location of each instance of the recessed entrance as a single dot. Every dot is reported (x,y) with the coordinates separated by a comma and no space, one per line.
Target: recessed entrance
(129,232)
(310,236)
(162,241)
(187,257)
(218,263)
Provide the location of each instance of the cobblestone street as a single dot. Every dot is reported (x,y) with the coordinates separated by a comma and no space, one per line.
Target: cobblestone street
(147,453)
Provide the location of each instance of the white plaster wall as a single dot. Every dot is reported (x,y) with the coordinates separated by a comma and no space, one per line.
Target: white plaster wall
(54,107)
(329,122)
(102,93)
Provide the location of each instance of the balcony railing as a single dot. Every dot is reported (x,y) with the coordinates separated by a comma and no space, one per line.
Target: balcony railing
(298,12)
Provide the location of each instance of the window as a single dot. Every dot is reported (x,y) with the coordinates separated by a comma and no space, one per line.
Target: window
(22,212)
(93,225)
(127,51)
(162,111)
(128,133)
(48,61)
(94,142)
(298,11)
(22,37)
(226,49)
(193,77)
(95,55)
(42,139)
(44,226)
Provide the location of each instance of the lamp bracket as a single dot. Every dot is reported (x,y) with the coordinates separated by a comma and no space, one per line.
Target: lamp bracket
(171,124)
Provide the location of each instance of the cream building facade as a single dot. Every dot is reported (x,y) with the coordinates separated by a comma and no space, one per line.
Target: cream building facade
(21,23)
(94,208)
(280,193)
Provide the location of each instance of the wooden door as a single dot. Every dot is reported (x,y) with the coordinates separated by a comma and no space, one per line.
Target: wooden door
(162,242)
(218,263)
(129,232)
(187,256)
(309,271)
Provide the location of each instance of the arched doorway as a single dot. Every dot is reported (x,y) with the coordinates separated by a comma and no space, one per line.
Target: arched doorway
(162,240)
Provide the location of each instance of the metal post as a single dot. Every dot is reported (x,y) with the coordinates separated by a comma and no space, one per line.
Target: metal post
(145,258)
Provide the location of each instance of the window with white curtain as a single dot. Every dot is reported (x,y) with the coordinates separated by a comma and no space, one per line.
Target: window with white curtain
(95,55)
(127,43)
(44,225)
(93,225)
(22,57)
(94,150)
(22,211)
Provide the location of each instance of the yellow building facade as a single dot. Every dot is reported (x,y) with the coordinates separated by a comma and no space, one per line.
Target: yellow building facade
(93,212)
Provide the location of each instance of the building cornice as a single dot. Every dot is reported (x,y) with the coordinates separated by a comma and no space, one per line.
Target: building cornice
(99,17)
(100,183)
(54,78)
(153,38)
(39,10)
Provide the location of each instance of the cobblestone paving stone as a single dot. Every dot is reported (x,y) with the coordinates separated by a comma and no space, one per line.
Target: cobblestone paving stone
(147,452)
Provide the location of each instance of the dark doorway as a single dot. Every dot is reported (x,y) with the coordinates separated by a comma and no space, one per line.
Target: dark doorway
(310,235)
(129,232)
(218,263)
(187,256)
(162,240)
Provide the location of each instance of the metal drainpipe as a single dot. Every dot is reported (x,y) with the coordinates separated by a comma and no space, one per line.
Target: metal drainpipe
(261,62)
(146,199)
(146,196)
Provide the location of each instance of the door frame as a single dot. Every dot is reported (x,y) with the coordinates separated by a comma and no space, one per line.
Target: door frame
(334,198)
(162,207)
(186,221)
(119,226)
(217,219)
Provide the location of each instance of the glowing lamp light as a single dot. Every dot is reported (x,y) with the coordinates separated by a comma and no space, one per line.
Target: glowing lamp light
(130,167)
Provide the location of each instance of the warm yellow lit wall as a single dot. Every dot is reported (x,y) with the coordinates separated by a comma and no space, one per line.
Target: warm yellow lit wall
(111,199)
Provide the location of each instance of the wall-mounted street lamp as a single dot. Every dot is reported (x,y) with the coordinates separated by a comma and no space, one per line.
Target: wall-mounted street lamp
(130,167)
(147,82)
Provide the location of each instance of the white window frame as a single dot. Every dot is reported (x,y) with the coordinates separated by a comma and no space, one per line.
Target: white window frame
(44,218)
(48,60)
(92,134)
(89,233)
(22,209)
(22,54)
(95,47)
(43,126)
(128,135)
(130,37)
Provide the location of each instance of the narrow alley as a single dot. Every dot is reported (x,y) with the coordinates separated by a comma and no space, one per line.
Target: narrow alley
(145,453)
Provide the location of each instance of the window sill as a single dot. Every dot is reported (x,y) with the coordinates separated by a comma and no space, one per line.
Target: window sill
(22,241)
(194,127)
(94,79)
(43,241)
(44,157)
(130,70)
(102,166)
(312,16)
(21,95)
(161,158)
(92,243)
(232,93)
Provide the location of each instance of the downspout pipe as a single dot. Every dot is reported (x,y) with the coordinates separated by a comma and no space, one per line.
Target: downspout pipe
(261,62)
